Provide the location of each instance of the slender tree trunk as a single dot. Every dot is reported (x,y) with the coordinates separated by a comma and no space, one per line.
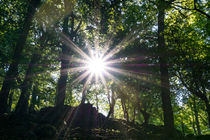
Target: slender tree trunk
(33,98)
(206,101)
(12,73)
(193,122)
(208,110)
(22,105)
(97,106)
(199,94)
(111,110)
(10,101)
(125,111)
(146,116)
(61,87)
(196,117)
(183,132)
(134,114)
(165,92)
(84,95)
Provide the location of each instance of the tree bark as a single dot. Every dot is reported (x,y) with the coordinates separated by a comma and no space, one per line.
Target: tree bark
(182,124)
(146,116)
(61,87)
(33,98)
(165,92)
(193,122)
(12,73)
(22,105)
(196,117)
(208,110)
(112,104)
(134,114)
(84,93)
(10,101)
(125,111)
(97,106)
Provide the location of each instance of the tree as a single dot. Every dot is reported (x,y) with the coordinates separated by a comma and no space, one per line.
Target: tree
(22,105)
(189,54)
(13,68)
(165,91)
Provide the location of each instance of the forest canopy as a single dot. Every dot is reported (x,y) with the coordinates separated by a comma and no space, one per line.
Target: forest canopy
(146,62)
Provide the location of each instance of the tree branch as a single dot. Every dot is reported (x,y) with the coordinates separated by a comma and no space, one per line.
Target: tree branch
(194,9)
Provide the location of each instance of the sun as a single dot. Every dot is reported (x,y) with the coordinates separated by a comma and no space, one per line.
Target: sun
(100,64)
(96,65)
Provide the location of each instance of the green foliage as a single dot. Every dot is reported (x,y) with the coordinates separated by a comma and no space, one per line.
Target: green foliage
(130,27)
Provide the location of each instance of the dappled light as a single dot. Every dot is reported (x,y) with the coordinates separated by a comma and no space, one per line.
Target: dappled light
(104,70)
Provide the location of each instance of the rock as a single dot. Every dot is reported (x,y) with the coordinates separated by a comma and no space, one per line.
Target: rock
(46,131)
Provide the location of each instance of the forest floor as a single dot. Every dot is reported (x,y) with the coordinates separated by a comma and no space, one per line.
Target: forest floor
(79,123)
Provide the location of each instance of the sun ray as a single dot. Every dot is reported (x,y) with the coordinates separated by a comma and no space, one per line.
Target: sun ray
(118,48)
(124,72)
(98,64)
(78,60)
(81,77)
(124,59)
(84,89)
(77,69)
(74,47)
(103,80)
(87,81)
(132,74)
(112,77)
(114,61)
(106,46)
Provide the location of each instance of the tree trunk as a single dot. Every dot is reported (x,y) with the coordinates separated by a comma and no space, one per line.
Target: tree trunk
(112,104)
(10,101)
(196,117)
(97,106)
(165,92)
(125,112)
(134,114)
(198,93)
(193,122)
(22,105)
(208,110)
(182,124)
(206,101)
(33,98)
(12,73)
(84,92)
(146,116)
(61,87)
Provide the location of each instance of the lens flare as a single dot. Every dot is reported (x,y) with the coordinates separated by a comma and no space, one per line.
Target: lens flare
(96,65)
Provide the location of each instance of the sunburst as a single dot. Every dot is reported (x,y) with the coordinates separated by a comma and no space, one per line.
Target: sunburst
(98,64)
(93,67)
